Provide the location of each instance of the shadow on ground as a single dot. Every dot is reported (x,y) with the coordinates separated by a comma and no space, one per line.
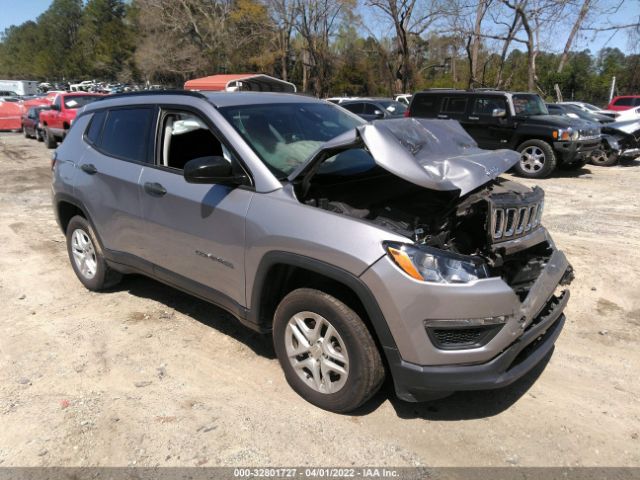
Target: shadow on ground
(459,406)
(200,310)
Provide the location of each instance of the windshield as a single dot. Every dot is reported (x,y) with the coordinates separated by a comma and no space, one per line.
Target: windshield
(285,135)
(394,108)
(77,101)
(527,105)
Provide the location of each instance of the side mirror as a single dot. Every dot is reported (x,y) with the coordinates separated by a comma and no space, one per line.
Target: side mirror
(211,170)
(379,114)
(499,112)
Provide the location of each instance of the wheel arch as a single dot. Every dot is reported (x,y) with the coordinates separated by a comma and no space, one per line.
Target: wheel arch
(282,272)
(66,207)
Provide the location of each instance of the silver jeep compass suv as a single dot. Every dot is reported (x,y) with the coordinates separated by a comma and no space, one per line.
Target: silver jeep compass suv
(365,249)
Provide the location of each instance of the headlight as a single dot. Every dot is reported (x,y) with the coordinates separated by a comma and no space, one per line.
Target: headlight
(432,265)
(565,134)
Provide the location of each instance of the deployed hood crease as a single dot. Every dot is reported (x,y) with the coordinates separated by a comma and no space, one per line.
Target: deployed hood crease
(434,154)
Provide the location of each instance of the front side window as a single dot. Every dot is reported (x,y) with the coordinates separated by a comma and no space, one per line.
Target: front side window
(529,105)
(125,133)
(393,108)
(285,135)
(185,137)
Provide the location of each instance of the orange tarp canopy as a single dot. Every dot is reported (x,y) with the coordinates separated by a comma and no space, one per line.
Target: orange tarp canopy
(240,81)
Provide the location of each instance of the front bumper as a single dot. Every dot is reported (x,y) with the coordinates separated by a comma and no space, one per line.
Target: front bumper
(580,150)
(418,366)
(416,383)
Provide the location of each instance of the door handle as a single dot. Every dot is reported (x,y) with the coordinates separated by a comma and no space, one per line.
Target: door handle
(89,168)
(154,189)
(474,118)
(443,116)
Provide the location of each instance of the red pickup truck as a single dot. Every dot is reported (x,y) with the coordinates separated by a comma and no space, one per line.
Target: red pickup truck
(55,123)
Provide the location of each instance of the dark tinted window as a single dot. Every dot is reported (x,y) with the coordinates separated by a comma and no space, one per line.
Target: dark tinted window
(623,102)
(455,105)
(125,133)
(77,101)
(425,106)
(555,110)
(354,107)
(636,101)
(370,109)
(95,127)
(486,106)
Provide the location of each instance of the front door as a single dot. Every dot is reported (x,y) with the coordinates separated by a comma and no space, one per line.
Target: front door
(194,233)
(490,132)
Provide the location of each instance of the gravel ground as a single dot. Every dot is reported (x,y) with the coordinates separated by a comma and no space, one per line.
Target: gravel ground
(145,375)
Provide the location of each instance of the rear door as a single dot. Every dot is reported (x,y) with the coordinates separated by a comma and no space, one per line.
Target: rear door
(194,234)
(117,148)
(454,107)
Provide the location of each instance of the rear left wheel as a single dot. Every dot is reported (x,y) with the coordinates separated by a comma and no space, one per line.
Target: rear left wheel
(86,256)
(326,351)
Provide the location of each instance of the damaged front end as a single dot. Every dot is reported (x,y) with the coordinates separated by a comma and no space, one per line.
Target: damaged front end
(466,227)
(622,139)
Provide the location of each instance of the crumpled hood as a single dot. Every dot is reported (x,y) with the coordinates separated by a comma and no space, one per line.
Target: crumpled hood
(435,154)
(628,127)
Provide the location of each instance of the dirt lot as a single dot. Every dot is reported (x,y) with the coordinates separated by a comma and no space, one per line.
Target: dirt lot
(145,375)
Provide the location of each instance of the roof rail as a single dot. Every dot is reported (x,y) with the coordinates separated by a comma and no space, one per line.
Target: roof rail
(485,89)
(138,93)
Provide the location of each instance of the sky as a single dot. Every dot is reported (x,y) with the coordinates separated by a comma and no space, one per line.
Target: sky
(15,12)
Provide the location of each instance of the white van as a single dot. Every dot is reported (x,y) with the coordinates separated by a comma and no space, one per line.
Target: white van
(21,87)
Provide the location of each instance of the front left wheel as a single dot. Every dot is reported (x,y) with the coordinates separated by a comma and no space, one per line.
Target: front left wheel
(86,256)
(326,351)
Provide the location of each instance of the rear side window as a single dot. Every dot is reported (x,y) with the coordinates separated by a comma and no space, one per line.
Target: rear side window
(95,127)
(454,105)
(125,133)
(355,107)
(425,106)
(636,101)
(370,109)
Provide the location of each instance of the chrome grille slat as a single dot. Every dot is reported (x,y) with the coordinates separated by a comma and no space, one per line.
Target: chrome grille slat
(511,222)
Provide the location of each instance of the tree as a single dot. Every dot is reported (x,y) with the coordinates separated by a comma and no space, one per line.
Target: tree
(317,21)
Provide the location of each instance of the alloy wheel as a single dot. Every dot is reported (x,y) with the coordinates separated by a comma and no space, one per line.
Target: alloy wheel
(317,352)
(84,253)
(532,159)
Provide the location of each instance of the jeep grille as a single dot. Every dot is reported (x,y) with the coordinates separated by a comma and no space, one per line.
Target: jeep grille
(508,222)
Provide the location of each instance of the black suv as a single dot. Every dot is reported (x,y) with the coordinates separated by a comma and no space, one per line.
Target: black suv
(519,121)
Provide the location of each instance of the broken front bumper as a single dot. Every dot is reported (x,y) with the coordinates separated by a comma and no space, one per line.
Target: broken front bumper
(419,368)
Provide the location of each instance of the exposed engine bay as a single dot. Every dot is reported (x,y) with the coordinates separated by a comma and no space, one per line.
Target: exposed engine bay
(428,181)
(444,220)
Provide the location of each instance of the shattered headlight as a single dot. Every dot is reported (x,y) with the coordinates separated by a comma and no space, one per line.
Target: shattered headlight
(433,265)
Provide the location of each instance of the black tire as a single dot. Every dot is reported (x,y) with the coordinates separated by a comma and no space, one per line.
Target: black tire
(365,372)
(39,135)
(24,130)
(604,158)
(48,138)
(546,157)
(103,277)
